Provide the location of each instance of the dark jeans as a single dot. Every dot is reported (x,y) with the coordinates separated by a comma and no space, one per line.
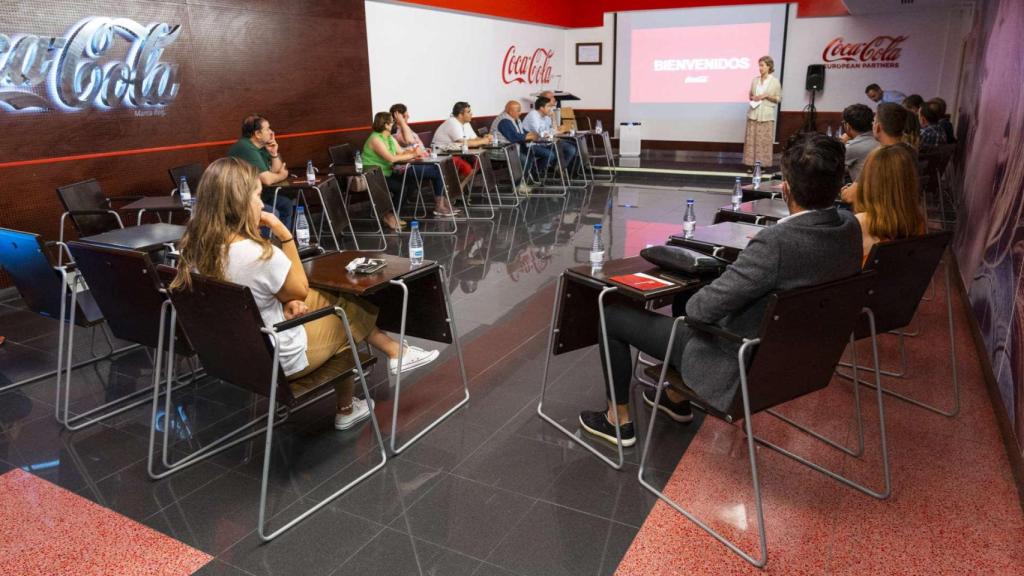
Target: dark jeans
(569,152)
(543,156)
(644,330)
(283,208)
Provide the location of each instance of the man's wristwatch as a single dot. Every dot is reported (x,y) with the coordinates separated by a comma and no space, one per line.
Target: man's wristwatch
(275,156)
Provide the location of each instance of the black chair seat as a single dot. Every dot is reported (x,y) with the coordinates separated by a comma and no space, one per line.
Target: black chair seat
(675,380)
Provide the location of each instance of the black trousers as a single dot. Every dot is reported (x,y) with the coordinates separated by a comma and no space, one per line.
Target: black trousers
(646,331)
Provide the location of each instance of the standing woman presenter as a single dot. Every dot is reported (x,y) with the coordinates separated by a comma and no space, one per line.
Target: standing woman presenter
(765,94)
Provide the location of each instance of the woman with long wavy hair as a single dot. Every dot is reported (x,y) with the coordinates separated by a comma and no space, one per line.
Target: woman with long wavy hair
(223,241)
(888,204)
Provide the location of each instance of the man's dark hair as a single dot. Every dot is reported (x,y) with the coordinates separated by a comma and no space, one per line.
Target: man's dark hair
(398,109)
(858,117)
(913,102)
(892,118)
(940,104)
(252,124)
(931,112)
(541,102)
(872,87)
(813,165)
(459,108)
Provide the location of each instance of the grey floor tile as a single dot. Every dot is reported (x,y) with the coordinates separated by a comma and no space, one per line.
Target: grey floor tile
(556,541)
(589,485)
(393,553)
(463,515)
(448,444)
(218,568)
(388,493)
(519,464)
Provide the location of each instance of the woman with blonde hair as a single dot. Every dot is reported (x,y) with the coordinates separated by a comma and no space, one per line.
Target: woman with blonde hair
(223,241)
(888,204)
(765,95)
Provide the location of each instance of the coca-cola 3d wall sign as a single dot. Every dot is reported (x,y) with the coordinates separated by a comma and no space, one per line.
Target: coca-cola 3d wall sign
(100,63)
(879,52)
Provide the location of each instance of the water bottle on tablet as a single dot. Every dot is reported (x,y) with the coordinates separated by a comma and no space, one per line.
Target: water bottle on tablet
(358,159)
(597,249)
(689,220)
(310,172)
(757,175)
(184,193)
(415,244)
(598,128)
(301,228)
(737,194)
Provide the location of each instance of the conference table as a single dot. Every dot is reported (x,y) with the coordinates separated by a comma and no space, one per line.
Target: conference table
(396,289)
(767,189)
(764,211)
(724,240)
(582,290)
(486,171)
(156,204)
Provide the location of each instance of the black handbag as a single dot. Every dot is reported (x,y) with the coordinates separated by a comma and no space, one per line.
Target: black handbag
(678,259)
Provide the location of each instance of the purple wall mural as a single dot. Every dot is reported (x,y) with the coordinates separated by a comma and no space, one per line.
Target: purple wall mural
(989,179)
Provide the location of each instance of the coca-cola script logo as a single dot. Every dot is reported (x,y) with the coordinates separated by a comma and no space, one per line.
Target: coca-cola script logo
(879,52)
(532,69)
(89,68)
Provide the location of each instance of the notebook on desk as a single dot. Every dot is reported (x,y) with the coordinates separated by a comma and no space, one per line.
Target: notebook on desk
(641,281)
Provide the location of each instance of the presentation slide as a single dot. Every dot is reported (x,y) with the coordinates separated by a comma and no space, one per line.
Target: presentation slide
(685,74)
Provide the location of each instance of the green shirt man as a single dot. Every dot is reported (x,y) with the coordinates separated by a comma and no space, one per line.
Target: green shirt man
(258,147)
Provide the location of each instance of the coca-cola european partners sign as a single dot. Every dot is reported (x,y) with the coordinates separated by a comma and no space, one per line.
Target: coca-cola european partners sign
(100,63)
(534,68)
(879,52)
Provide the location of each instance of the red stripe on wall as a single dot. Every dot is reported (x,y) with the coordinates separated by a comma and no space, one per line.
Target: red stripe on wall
(171,148)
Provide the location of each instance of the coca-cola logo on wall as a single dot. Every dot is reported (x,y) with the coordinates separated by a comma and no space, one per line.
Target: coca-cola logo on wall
(89,68)
(879,52)
(527,69)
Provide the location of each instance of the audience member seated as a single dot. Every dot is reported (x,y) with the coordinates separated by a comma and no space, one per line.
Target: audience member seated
(402,132)
(860,140)
(890,122)
(816,243)
(912,131)
(222,241)
(888,204)
(539,121)
(913,103)
(507,127)
(382,150)
(877,95)
(944,122)
(932,133)
(456,130)
(258,147)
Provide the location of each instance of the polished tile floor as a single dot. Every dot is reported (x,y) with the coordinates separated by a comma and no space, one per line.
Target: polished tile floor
(494,490)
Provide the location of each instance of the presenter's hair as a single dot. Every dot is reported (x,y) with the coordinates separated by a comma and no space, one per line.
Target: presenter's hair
(813,165)
(541,102)
(768,62)
(858,117)
(381,120)
(892,118)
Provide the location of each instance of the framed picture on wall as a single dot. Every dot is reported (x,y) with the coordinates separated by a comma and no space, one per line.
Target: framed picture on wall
(588,53)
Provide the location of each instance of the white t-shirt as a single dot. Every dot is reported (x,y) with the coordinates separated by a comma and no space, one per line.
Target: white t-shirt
(451,131)
(265,279)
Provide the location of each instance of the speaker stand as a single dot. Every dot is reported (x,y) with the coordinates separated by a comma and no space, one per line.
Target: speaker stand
(810,116)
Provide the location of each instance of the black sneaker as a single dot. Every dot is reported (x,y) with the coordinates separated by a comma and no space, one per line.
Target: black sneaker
(597,423)
(678,411)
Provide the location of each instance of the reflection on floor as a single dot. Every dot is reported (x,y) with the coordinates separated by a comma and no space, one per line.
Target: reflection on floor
(494,491)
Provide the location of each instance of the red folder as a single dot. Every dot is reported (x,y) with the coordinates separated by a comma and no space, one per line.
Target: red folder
(642,282)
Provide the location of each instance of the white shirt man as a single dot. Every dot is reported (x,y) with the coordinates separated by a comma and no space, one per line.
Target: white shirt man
(457,128)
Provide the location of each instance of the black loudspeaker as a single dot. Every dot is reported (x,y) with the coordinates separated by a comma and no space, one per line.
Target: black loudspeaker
(816,77)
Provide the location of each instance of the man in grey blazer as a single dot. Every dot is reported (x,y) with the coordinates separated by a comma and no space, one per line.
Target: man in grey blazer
(816,243)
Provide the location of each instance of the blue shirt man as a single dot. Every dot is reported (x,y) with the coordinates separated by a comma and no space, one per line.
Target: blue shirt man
(877,95)
(539,122)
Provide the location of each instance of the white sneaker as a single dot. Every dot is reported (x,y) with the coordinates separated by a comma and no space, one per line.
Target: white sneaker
(360,411)
(525,189)
(413,358)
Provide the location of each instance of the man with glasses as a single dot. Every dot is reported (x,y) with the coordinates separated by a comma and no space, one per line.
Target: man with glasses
(258,147)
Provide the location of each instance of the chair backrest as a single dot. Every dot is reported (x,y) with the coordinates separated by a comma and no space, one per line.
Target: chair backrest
(342,155)
(515,163)
(451,179)
(334,207)
(23,256)
(87,195)
(377,186)
(223,323)
(905,268)
(606,141)
(803,336)
(192,173)
(126,287)
(426,137)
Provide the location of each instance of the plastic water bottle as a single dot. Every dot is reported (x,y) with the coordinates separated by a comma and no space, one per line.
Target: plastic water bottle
(358,159)
(598,128)
(415,245)
(828,131)
(465,146)
(757,175)
(689,220)
(433,152)
(301,228)
(310,172)
(184,193)
(597,248)
(737,194)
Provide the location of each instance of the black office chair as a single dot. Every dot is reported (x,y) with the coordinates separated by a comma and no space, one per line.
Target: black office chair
(341,155)
(794,355)
(90,210)
(44,288)
(193,173)
(224,325)
(125,286)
